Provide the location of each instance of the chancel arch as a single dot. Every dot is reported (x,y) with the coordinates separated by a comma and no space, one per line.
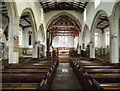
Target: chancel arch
(65,13)
(65,29)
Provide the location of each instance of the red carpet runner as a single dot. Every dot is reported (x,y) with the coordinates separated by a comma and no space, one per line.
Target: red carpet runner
(64,58)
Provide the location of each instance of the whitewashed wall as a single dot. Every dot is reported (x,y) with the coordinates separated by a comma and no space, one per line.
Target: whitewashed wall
(91,11)
(40,36)
(25,38)
(46,18)
(76,42)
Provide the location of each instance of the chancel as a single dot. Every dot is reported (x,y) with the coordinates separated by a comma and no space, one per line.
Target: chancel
(50,45)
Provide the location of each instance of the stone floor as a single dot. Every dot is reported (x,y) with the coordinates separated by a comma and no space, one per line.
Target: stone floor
(65,79)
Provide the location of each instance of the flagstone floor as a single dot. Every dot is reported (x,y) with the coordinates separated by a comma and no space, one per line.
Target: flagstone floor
(65,79)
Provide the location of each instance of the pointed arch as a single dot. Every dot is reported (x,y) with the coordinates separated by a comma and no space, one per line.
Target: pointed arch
(41,33)
(85,36)
(98,14)
(34,29)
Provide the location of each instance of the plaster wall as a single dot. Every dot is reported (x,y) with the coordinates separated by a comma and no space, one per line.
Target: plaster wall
(25,38)
(91,11)
(76,42)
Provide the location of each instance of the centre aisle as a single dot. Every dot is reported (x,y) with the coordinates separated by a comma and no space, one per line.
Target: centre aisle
(65,79)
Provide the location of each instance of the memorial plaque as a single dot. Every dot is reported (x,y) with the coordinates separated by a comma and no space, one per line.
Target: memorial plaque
(16,44)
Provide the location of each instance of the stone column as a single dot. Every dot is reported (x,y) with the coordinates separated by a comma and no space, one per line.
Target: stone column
(13,34)
(114,39)
(92,47)
(35,45)
(103,40)
(45,50)
(80,41)
(83,42)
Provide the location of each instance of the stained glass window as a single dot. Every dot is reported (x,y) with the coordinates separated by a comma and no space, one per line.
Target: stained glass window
(96,39)
(63,41)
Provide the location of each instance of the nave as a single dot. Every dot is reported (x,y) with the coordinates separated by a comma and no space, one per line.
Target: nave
(65,79)
(51,74)
(59,45)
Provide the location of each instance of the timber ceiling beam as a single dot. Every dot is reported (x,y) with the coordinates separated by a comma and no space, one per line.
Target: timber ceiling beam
(78,6)
(103,23)
(65,33)
(3,10)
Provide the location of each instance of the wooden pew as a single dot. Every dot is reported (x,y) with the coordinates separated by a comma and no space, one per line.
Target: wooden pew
(100,67)
(24,59)
(25,78)
(78,68)
(102,81)
(20,86)
(34,66)
(102,70)
(25,70)
(23,86)
(102,73)
(105,86)
(29,67)
(110,86)
(41,63)
(106,78)
(21,76)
